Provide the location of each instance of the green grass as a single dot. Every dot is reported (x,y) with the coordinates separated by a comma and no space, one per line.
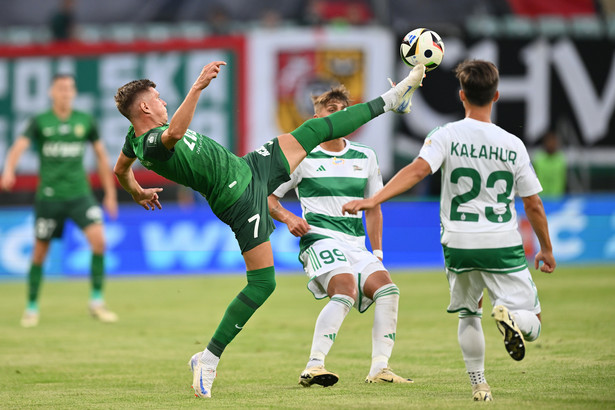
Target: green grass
(71,361)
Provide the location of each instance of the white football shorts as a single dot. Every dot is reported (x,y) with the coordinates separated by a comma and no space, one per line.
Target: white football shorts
(327,258)
(516,291)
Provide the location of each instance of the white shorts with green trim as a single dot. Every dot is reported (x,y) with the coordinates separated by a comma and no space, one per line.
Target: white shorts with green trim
(327,258)
(516,291)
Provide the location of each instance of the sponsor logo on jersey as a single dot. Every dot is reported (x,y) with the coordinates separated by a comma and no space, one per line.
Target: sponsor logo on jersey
(337,161)
(79,130)
(61,149)
(321,168)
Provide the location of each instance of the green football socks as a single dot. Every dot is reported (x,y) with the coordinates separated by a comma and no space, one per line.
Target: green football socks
(337,125)
(97,272)
(261,284)
(35,278)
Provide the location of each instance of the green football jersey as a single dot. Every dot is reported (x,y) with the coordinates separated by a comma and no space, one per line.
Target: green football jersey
(196,161)
(60,145)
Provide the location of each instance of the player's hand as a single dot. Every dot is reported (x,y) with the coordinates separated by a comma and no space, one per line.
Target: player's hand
(110,205)
(547,259)
(298,226)
(357,205)
(148,198)
(8,181)
(208,73)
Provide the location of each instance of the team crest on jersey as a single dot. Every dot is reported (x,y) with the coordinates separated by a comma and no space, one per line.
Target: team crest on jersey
(302,74)
(79,130)
(357,168)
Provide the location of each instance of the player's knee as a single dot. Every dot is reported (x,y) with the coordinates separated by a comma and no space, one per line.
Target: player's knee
(390,290)
(261,285)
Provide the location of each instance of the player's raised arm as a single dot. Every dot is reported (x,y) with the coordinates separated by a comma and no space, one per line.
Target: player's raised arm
(405,179)
(147,198)
(183,116)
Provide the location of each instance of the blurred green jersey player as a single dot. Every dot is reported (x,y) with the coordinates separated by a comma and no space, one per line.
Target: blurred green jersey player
(59,137)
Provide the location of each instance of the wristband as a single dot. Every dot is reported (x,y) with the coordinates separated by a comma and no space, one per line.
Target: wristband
(378,253)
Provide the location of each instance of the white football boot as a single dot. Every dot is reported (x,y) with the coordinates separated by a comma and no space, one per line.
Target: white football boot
(399,97)
(30,318)
(100,312)
(202,376)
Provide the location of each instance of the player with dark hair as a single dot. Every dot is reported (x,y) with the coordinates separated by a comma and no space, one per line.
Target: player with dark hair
(236,188)
(60,136)
(333,249)
(483,167)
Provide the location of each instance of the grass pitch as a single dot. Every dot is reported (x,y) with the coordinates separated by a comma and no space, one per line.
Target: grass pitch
(72,361)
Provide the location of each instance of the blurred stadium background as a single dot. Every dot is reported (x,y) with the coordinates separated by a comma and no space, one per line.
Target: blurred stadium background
(556,60)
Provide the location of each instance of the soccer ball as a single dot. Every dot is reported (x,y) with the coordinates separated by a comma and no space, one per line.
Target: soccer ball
(422,46)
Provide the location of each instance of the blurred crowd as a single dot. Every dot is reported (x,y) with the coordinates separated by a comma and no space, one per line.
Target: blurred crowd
(62,20)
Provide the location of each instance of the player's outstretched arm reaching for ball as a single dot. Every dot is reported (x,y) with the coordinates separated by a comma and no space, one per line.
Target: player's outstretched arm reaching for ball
(405,179)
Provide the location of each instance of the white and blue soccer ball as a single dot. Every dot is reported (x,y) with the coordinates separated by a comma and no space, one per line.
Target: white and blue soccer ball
(422,46)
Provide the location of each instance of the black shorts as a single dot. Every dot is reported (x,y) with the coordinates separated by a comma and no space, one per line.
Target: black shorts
(50,216)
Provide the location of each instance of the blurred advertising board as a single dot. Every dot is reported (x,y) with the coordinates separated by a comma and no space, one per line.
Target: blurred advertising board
(189,240)
(289,66)
(565,84)
(26,73)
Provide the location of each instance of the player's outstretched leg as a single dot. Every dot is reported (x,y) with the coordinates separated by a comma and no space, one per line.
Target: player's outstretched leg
(339,124)
(513,339)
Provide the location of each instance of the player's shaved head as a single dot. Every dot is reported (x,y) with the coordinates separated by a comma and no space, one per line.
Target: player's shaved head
(479,81)
(127,94)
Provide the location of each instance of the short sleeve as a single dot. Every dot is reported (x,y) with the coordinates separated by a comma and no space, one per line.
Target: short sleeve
(434,149)
(93,132)
(374,179)
(32,130)
(153,148)
(526,181)
(295,178)
(127,148)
